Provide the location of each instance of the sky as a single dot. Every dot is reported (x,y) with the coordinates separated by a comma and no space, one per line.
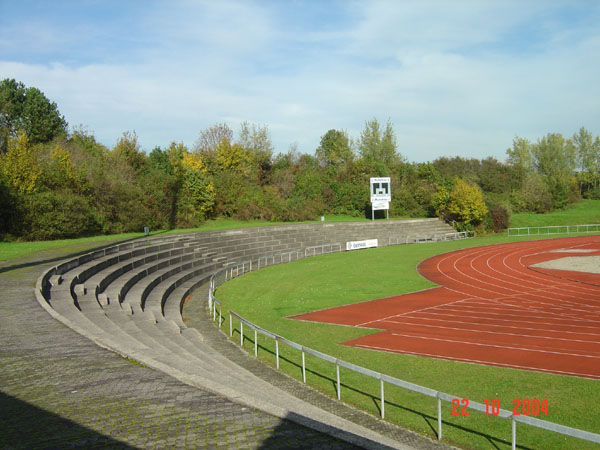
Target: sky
(454,78)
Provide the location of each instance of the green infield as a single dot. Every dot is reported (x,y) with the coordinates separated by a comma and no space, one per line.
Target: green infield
(267,297)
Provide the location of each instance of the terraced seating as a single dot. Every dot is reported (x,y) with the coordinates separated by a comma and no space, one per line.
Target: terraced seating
(129,297)
(136,288)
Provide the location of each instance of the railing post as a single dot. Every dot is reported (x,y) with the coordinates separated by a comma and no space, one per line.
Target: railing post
(255,343)
(303,367)
(514,433)
(277,352)
(439,419)
(230,326)
(220,318)
(382,400)
(339,385)
(241,334)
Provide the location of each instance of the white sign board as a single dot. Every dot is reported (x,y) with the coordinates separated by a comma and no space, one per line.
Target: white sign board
(381,205)
(381,190)
(355,245)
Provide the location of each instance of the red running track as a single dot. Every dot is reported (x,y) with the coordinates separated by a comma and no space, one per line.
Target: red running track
(492,308)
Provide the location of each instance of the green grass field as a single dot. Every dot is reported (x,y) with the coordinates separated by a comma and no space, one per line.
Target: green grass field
(267,297)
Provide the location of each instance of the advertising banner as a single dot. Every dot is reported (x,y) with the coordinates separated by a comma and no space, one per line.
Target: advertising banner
(356,245)
(381,205)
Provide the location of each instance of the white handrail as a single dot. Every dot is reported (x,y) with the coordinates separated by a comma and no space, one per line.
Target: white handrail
(554,229)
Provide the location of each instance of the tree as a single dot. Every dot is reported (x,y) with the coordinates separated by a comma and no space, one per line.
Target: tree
(159,159)
(128,149)
(520,154)
(554,158)
(533,196)
(211,137)
(197,195)
(377,147)
(12,96)
(587,152)
(256,140)
(234,157)
(41,118)
(20,165)
(334,148)
(28,110)
(463,204)
(450,168)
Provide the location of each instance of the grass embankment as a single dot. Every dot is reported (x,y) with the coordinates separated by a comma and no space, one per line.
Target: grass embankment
(583,213)
(269,296)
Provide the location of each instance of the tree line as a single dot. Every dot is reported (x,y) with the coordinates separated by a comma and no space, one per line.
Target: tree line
(56,183)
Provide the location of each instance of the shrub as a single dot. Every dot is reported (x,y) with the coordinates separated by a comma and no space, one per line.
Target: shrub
(463,204)
(534,195)
(57,215)
(500,216)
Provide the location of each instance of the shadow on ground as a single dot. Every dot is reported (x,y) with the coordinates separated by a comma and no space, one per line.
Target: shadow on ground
(25,426)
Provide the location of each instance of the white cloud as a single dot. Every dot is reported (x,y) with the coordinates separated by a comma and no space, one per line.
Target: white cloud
(455,79)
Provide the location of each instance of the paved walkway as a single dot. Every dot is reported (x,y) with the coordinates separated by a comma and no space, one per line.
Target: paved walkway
(59,390)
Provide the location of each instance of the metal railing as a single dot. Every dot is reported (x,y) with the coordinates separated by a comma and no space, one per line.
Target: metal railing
(322,249)
(233,271)
(421,238)
(554,229)
(383,378)
(279,258)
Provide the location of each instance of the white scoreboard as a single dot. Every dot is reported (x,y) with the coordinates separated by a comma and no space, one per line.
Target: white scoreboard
(380,190)
(381,196)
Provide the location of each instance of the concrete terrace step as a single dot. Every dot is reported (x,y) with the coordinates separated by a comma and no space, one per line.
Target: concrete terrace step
(173,303)
(79,270)
(118,289)
(103,278)
(145,284)
(154,299)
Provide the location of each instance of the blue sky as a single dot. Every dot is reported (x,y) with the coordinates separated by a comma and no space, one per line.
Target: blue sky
(455,78)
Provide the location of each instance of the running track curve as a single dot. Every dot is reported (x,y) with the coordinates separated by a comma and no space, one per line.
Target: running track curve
(492,308)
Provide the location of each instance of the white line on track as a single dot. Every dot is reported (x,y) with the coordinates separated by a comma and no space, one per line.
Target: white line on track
(513,314)
(409,312)
(481,285)
(475,361)
(449,317)
(481,344)
(505,333)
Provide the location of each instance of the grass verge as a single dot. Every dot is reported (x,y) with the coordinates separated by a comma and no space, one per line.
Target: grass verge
(583,213)
(269,296)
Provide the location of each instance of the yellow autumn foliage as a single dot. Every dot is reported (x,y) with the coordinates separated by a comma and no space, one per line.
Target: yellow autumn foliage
(466,203)
(65,165)
(230,156)
(193,161)
(20,165)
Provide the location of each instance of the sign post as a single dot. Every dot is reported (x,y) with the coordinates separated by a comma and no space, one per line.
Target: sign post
(381,195)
